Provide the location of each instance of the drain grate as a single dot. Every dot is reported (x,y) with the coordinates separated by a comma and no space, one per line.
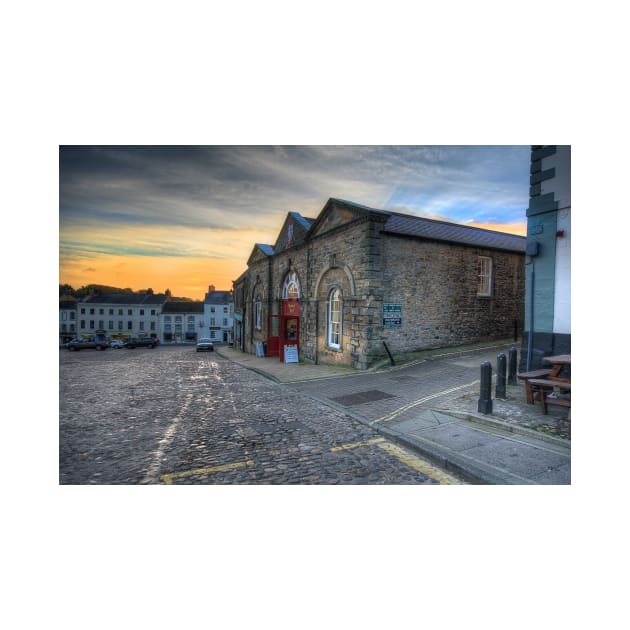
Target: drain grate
(348,400)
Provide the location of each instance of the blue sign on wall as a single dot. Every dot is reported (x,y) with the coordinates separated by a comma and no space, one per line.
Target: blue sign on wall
(392,315)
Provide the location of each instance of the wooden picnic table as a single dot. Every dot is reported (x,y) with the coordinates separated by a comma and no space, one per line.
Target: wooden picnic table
(557,363)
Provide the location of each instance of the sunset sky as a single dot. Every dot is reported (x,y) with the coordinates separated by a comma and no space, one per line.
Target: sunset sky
(186,217)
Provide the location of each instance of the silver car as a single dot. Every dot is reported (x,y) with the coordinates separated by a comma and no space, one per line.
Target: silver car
(205,345)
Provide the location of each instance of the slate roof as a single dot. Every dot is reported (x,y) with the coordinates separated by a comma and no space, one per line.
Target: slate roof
(183,307)
(421,227)
(218,297)
(453,233)
(306,223)
(127,298)
(67,302)
(266,249)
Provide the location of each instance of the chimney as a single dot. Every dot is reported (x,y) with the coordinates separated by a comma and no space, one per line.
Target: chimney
(211,288)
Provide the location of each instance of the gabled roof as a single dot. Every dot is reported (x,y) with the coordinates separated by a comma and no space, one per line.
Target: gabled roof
(261,250)
(266,249)
(306,223)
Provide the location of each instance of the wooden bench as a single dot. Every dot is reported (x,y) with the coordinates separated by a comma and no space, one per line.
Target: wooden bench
(544,389)
(526,376)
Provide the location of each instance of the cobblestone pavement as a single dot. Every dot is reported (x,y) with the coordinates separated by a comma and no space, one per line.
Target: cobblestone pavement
(174,416)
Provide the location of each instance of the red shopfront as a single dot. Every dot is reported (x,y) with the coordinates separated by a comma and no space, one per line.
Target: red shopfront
(289,329)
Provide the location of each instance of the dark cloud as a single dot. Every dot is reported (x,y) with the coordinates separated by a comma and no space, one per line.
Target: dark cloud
(239,186)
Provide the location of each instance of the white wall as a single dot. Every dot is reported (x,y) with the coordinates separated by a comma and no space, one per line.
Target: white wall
(562,302)
(560,185)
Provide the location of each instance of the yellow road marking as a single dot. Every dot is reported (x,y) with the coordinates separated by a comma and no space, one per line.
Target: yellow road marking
(168,479)
(418,464)
(405,457)
(392,415)
(345,447)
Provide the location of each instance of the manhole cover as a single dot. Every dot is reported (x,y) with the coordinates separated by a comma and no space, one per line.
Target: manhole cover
(348,400)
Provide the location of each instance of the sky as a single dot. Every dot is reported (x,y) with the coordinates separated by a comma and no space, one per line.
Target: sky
(185,217)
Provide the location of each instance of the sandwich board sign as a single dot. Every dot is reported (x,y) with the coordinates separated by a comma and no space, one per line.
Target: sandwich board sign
(290,354)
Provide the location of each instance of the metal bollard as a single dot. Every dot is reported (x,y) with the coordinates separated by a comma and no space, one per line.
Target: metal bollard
(501,371)
(512,366)
(485,396)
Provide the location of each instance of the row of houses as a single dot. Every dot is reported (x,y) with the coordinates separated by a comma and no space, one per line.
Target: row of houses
(125,315)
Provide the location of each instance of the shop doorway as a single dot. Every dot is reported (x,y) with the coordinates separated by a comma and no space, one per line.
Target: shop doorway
(289,326)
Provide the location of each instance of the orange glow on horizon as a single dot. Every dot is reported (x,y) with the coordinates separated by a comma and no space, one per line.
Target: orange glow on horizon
(185,277)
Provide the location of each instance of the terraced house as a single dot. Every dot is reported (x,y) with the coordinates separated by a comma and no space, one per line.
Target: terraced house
(356,282)
(121,315)
(181,321)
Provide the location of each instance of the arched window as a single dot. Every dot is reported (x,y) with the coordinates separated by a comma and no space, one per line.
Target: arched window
(334,318)
(291,287)
(258,312)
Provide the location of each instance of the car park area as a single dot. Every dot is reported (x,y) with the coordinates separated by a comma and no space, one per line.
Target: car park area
(88,343)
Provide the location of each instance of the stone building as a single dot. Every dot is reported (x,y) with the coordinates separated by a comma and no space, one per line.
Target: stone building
(355,282)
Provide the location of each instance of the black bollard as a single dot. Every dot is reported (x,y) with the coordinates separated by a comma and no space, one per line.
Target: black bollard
(485,397)
(512,367)
(501,371)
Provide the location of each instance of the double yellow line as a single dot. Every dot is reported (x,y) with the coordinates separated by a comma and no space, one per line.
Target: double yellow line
(393,414)
(406,458)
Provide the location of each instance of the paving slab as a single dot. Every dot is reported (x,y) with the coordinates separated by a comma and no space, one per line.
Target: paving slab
(458,437)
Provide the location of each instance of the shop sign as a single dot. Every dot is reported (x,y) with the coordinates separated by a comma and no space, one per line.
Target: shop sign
(392,315)
(291,307)
(290,354)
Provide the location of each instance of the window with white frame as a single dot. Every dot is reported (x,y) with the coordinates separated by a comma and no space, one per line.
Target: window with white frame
(484,276)
(334,319)
(258,312)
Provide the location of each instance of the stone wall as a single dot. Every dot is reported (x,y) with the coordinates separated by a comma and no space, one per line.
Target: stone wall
(436,283)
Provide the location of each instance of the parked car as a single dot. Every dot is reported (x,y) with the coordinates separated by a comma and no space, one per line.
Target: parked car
(116,343)
(83,343)
(205,345)
(140,342)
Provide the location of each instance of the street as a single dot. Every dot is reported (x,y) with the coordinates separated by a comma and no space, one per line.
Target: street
(170,415)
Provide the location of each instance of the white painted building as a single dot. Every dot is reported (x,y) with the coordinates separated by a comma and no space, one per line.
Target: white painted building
(67,319)
(182,321)
(218,311)
(121,315)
